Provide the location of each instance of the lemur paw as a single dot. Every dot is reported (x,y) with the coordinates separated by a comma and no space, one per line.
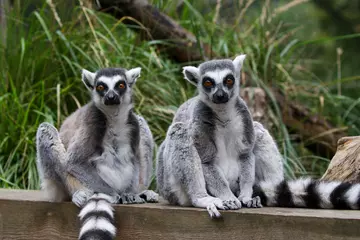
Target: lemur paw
(254,202)
(232,204)
(149,196)
(47,133)
(129,198)
(259,129)
(47,138)
(211,204)
(213,212)
(80,197)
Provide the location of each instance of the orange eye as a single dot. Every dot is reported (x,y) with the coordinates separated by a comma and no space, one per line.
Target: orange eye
(100,88)
(208,83)
(121,85)
(229,81)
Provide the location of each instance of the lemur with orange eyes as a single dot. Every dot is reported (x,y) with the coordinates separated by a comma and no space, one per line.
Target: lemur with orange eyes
(101,155)
(215,156)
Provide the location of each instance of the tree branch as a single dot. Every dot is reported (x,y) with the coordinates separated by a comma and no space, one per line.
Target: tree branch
(181,45)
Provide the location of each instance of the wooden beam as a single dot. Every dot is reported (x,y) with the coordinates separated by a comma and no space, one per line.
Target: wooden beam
(25,215)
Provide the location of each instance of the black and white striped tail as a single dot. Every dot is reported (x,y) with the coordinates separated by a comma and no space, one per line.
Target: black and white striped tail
(309,193)
(97,219)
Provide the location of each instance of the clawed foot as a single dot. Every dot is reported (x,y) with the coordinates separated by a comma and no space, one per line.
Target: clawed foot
(80,197)
(254,202)
(47,138)
(232,204)
(211,204)
(259,129)
(149,196)
(47,131)
(129,198)
(212,210)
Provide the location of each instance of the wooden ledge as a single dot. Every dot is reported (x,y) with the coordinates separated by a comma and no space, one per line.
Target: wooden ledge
(25,215)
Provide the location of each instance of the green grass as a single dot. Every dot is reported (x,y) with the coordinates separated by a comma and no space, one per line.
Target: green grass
(41,64)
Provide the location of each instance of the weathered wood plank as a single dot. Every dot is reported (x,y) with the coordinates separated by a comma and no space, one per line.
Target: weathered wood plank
(24,215)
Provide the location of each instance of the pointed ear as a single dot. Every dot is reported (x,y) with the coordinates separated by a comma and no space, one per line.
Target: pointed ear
(88,79)
(238,63)
(191,74)
(132,75)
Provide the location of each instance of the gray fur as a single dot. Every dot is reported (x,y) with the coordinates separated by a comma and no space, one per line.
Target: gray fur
(105,148)
(265,148)
(50,171)
(179,172)
(215,149)
(213,65)
(146,147)
(109,72)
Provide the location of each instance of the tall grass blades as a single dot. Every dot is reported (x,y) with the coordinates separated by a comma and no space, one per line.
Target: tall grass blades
(48,43)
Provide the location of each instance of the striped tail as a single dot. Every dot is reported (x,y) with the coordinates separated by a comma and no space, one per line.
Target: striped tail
(309,193)
(97,219)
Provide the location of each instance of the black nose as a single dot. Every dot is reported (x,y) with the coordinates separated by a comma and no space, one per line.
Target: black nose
(220,96)
(111,99)
(111,96)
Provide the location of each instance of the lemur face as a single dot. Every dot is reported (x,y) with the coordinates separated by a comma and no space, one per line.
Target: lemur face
(111,86)
(110,89)
(218,85)
(217,80)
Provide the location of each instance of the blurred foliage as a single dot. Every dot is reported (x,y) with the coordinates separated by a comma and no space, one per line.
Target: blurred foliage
(288,45)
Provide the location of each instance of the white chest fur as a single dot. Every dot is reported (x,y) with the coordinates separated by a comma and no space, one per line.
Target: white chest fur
(229,144)
(117,137)
(116,165)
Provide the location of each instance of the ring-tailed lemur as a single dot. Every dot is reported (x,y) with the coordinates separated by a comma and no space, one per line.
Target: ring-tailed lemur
(102,148)
(215,156)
